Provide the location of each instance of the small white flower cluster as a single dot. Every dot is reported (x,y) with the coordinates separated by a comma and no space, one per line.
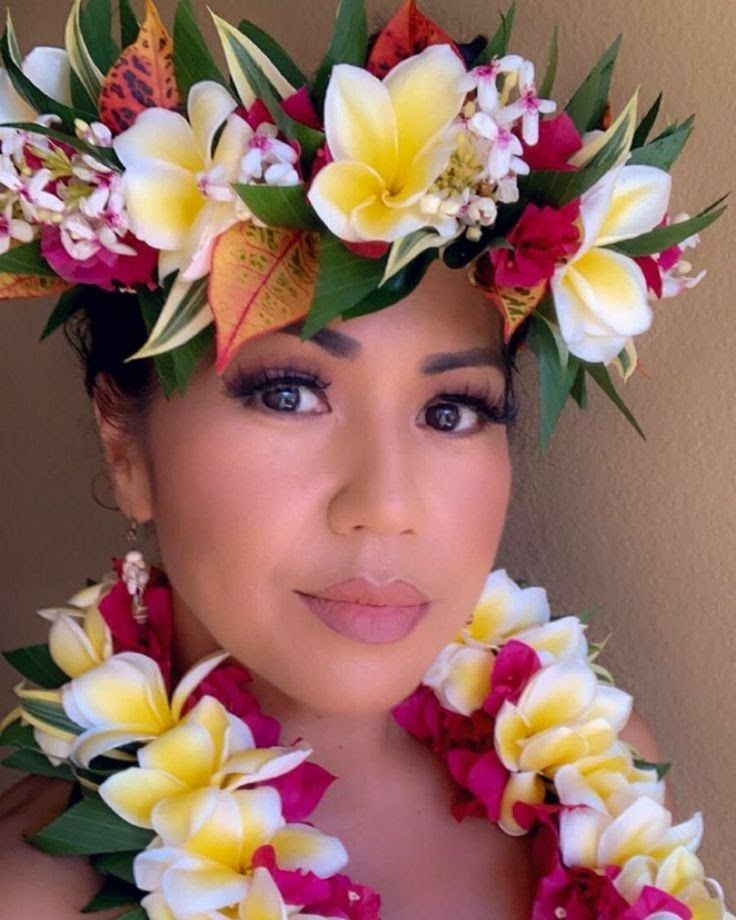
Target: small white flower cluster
(676,279)
(75,192)
(484,167)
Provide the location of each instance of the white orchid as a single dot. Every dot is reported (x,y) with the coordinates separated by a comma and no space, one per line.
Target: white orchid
(600,295)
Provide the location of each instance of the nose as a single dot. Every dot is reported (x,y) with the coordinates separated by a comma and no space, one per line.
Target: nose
(379,483)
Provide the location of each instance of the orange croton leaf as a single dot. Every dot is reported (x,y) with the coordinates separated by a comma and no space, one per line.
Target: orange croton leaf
(407,32)
(12,286)
(515,304)
(261,278)
(142,77)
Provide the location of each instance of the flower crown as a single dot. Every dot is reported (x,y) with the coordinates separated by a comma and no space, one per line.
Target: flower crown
(239,203)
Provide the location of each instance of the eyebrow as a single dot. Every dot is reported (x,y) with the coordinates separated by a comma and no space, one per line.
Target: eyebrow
(344,346)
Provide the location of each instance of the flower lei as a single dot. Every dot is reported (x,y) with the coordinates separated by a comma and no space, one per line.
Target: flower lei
(192,809)
(245,200)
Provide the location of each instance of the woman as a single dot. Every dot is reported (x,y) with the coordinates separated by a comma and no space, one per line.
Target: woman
(375,457)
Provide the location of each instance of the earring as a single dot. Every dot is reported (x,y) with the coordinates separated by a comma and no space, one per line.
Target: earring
(135,575)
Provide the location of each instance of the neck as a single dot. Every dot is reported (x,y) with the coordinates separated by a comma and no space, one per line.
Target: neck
(346,744)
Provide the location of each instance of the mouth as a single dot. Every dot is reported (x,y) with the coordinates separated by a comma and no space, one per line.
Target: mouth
(371,623)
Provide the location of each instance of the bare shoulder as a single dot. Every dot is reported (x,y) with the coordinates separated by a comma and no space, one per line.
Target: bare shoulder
(37,886)
(638,733)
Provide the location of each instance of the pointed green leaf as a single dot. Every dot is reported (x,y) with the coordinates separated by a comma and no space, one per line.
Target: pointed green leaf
(35,663)
(18,735)
(81,58)
(599,373)
(550,74)
(578,390)
(274,52)
(128,23)
(588,103)
(90,827)
(647,123)
(663,237)
(68,303)
(118,864)
(192,59)
(662,767)
(113,893)
(279,205)
(343,280)
(81,99)
(555,381)
(396,288)
(664,150)
(50,714)
(349,44)
(95,21)
(408,247)
(36,762)
(35,97)
(26,259)
(136,914)
(176,366)
(499,42)
(182,316)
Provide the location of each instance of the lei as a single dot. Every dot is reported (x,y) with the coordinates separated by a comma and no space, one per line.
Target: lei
(191,809)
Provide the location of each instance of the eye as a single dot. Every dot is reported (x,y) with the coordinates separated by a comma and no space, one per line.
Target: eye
(477,406)
(279,390)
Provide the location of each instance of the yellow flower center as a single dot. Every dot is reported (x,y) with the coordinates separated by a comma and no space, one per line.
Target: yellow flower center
(462,170)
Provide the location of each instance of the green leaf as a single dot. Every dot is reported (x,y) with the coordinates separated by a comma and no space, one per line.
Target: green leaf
(647,123)
(95,20)
(68,303)
(128,23)
(279,205)
(664,150)
(51,714)
(90,827)
(555,381)
(113,893)
(35,663)
(81,59)
(599,373)
(35,97)
(192,59)
(550,74)
(234,44)
(662,767)
(18,735)
(105,155)
(407,248)
(588,104)
(26,259)
(348,45)
(498,44)
(81,99)
(36,762)
(578,390)
(663,237)
(136,914)
(343,280)
(585,616)
(396,288)
(274,52)
(118,864)
(175,367)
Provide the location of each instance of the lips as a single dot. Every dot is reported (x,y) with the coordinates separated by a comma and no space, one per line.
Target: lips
(395,593)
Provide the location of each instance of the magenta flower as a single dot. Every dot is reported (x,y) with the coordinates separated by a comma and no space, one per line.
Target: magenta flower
(103,268)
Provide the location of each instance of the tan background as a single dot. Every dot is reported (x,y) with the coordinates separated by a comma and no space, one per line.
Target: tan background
(647,530)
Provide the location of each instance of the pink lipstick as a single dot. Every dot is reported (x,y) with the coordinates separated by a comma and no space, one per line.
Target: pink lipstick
(367,611)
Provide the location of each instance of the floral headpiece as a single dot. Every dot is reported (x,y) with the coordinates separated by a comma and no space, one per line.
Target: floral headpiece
(240,203)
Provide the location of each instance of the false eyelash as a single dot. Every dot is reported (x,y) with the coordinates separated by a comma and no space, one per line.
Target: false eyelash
(244,386)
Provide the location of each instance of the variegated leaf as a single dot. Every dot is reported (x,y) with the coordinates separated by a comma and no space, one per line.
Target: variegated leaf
(407,248)
(80,59)
(515,304)
(142,77)
(626,361)
(183,315)
(261,279)
(626,117)
(12,286)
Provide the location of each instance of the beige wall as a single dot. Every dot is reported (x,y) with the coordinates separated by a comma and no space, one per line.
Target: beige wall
(647,530)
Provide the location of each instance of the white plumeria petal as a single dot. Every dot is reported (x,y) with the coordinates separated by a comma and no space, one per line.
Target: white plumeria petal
(49,70)
(635,830)
(639,203)
(195,884)
(209,104)
(580,831)
(460,676)
(13,106)
(301,846)
(558,640)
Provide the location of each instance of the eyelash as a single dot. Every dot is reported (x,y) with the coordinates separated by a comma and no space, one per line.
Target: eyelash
(246,386)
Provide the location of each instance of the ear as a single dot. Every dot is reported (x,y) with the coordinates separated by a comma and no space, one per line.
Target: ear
(128,469)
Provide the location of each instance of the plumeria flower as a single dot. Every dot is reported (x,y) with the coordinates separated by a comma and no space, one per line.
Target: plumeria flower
(173,180)
(600,295)
(504,610)
(461,677)
(201,859)
(563,714)
(208,747)
(124,700)
(12,228)
(389,139)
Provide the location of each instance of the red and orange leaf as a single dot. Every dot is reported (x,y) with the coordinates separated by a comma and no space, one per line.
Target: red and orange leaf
(12,286)
(142,77)
(407,32)
(261,278)
(515,304)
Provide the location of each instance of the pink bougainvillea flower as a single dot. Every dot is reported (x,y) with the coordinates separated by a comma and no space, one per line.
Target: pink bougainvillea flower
(559,140)
(512,668)
(105,267)
(301,789)
(541,239)
(484,776)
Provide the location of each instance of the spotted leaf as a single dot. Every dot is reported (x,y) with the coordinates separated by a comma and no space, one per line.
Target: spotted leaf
(407,33)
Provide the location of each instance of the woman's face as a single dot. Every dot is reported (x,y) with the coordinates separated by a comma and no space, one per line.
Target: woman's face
(257,496)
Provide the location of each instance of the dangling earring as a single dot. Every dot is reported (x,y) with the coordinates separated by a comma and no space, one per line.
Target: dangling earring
(135,575)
